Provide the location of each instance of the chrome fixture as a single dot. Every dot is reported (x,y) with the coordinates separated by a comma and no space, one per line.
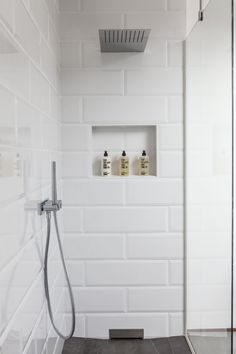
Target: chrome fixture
(123,40)
(53,206)
(200,12)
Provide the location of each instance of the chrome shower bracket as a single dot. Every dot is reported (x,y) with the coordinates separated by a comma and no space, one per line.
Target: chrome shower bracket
(48,206)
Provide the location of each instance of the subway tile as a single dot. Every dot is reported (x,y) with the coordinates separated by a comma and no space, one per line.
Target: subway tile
(55,102)
(8,121)
(162,24)
(93,247)
(209,298)
(29,132)
(176,219)
(26,31)
(12,235)
(126,273)
(123,5)
(160,191)
(175,109)
(51,134)
(176,5)
(76,137)
(91,82)
(126,219)
(154,82)
(205,132)
(27,316)
(76,165)
(11,187)
(27,3)
(14,66)
(156,299)
(72,218)
(175,53)
(99,300)
(207,270)
(171,164)
(7,13)
(69,5)
(154,325)
(176,324)
(171,137)
(176,272)
(54,40)
(76,272)
(80,26)
(71,109)
(40,91)
(93,192)
(70,54)
(48,63)
(52,9)
(40,14)
(154,56)
(159,246)
(124,109)
(16,280)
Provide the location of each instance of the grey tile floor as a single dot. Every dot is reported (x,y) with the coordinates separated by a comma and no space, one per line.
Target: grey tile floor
(172,345)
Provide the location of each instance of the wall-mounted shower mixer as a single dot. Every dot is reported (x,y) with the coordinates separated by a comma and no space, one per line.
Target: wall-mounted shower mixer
(52,207)
(48,206)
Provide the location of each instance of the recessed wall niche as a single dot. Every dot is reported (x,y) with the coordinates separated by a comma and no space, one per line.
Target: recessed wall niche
(132,139)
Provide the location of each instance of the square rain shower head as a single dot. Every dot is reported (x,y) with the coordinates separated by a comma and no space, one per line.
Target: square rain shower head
(123,40)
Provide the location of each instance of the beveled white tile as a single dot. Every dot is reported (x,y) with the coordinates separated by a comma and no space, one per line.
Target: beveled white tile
(40,14)
(162,24)
(125,109)
(29,131)
(155,82)
(70,54)
(78,26)
(154,56)
(71,109)
(69,5)
(14,72)
(123,5)
(92,82)
(40,91)
(26,31)
(6,13)
(8,119)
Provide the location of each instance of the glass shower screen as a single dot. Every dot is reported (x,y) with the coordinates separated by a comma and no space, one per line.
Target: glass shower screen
(208,175)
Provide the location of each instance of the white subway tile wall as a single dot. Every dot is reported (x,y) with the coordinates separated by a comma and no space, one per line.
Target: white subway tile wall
(29,140)
(123,237)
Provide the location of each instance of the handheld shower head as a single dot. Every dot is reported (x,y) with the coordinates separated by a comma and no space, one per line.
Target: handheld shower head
(54,182)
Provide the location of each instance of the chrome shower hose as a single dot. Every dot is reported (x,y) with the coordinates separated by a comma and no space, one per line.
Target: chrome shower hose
(46,285)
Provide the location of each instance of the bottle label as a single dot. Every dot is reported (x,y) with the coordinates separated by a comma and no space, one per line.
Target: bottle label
(106,167)
(144,166)
(124,167)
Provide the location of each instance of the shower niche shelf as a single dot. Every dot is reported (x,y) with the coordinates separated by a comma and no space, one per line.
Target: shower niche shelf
(131,138)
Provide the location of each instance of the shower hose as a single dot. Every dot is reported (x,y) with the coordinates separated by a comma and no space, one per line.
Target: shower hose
(46,286)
